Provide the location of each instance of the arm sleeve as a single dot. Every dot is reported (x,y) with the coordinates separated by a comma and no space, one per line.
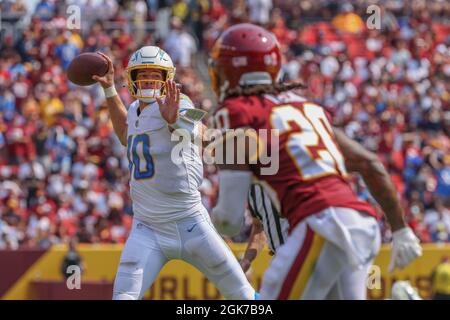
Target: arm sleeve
(228,214)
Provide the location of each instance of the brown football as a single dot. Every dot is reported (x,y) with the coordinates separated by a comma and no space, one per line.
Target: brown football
(84,66)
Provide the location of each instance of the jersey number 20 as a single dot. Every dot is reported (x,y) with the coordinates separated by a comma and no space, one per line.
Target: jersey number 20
(139,158)
(312,147)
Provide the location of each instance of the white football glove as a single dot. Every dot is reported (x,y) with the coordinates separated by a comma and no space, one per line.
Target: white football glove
(402,290)
(405,248)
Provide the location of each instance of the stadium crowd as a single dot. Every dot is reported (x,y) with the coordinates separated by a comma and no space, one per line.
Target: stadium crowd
(64,174)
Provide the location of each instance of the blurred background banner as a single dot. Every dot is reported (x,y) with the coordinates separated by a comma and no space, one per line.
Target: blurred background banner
(37,274)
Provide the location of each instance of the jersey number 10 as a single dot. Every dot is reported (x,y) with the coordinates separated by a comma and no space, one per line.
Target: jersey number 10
(140,161)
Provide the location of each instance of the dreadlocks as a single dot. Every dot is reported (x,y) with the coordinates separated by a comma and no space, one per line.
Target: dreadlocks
(260,89)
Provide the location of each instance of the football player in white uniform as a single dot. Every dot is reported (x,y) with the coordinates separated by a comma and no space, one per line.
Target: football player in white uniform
(170,221)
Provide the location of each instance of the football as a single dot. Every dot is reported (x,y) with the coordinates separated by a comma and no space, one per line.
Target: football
(84,66)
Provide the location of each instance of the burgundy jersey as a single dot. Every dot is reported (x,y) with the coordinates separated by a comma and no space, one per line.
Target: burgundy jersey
(311,175)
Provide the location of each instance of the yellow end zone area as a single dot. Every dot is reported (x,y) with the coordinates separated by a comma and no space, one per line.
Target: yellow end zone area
(179,280)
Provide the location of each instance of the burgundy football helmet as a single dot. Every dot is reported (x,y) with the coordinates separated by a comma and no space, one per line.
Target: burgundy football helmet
(244,55)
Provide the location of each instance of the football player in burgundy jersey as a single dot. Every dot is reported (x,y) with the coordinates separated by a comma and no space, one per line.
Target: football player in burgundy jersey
(333,236)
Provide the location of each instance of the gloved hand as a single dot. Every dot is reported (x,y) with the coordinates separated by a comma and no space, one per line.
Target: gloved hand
(225,224)
(405,248)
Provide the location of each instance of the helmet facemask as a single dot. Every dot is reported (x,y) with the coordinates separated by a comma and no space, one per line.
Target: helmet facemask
(147,90)
(214,76)
(218,84)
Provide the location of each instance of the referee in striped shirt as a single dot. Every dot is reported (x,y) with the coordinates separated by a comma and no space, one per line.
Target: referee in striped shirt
(268,226)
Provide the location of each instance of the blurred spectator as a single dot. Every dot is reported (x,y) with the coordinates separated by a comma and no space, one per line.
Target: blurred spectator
(180,45)
(180,9)
(71,259)
(45,10)
(64,174)
(259,11)
(440,281)
(348,20)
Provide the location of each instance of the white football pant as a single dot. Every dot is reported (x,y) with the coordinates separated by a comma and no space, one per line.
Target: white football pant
(326,256)
(192,239)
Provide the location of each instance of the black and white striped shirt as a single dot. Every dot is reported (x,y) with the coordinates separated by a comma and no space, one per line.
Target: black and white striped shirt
(263,208)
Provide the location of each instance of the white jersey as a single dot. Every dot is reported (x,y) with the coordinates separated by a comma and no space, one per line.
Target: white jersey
(162,190)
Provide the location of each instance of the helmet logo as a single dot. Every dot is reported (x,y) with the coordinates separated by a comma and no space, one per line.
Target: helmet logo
(161,55)
(135,56)
(270,59)
(239,61)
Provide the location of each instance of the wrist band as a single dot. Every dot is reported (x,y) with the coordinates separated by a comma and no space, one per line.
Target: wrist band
(110,92)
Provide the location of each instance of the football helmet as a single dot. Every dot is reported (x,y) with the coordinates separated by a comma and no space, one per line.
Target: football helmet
(244,54)
(149,57)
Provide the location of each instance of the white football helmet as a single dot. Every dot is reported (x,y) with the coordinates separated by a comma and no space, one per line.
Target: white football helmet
(149,57)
